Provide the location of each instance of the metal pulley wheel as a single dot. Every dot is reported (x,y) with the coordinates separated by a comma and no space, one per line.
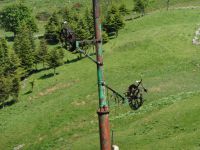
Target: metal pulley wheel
(135,96)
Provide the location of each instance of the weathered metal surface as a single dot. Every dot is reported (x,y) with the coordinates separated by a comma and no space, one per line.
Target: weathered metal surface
(103,112)
(104,129)
(134,95)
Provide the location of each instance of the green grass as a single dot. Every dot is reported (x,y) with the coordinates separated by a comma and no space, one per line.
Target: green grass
(45,5)
(160,4)
(51,6)
(61,112)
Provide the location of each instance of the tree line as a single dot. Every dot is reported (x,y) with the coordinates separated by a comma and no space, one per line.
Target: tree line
(23,58)
(9,77)
(83,25)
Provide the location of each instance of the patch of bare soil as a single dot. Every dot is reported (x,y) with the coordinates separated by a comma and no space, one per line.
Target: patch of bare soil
(58,87)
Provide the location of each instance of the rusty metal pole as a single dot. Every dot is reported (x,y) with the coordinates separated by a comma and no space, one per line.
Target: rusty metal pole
(103,111)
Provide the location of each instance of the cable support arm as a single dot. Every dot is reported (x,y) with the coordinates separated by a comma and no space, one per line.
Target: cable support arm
(84,53)
(88,56)
(115,92)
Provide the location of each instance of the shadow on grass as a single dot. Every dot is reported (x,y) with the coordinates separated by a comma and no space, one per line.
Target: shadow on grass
(10,38)
(78,59)
(133,18)
(73,60)
(33,72)
(51,40)
(46,76)
(29,92)
(8,103)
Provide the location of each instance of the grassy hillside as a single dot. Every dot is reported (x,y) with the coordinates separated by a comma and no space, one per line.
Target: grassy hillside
(50,6)
(45,5)
(61,112)
(159,4)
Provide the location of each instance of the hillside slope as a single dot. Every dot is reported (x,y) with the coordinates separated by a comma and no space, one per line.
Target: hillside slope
(50,6)
(61,112)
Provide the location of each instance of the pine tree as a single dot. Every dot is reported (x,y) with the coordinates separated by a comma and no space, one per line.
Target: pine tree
(113,22)
(73,23)
(36,58)
(15,87)
(4,56)
(52,29)
(119,21)
(14,75)
(54,60)
(61,53)
(66,14)
(4,46)
(9,80)
(13,15)
(43,51)
(105,37)
(4,89)
(113,9)
(123,10)
(82,30)
(23,47)
(32,41)
(140,6)
(13,64)
(4,86)
(90,22)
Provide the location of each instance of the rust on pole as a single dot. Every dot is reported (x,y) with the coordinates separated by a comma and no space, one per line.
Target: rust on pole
(103,111)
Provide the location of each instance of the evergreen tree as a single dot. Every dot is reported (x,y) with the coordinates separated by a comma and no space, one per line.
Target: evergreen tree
(9,86)
(36,58)
(90,22)
(14,75)
(43,51)
(4,56)
(72,23)
(113,22)
(52,29)
(15,88)
(13,64)
(54,59)
(105,37)
(23,47)
(119,21)
(113,9)
(61,53)
(32,40)
(82,30)
(123,10)
(4,89)
(12,16)
(66,14)
(4,46)
(140,6)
